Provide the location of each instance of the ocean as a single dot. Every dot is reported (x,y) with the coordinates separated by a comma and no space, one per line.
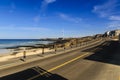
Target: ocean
(5,43)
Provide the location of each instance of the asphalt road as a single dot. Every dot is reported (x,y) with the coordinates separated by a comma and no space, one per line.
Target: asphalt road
(98,63)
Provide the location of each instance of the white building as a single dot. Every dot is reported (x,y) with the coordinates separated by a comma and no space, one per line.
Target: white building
(113,33)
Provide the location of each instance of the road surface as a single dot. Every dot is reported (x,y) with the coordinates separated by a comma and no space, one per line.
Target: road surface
(98,63)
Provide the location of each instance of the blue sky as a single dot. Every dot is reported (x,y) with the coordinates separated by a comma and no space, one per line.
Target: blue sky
(50,18)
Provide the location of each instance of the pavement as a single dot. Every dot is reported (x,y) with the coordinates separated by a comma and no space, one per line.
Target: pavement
(20,60)
(98,62)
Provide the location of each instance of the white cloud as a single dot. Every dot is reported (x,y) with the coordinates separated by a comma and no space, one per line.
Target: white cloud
(69,18)
(107,9)
(35,28)
(114,18)
(43,7)
(12,27)
(49,1)
(113,25)
(45,3)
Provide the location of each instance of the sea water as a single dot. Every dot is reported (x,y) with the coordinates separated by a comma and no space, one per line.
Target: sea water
(5,43)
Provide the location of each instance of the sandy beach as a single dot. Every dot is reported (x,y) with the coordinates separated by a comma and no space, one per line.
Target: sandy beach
(11,55)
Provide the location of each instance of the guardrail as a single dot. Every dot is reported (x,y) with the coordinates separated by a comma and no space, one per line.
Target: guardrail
(68,49)
(63,49)
(78,45)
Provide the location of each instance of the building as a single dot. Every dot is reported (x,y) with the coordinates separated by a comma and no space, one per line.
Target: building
(117,32)
(113,33)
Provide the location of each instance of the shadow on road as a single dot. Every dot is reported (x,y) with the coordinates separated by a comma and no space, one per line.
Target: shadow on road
(31,72)
(108,52)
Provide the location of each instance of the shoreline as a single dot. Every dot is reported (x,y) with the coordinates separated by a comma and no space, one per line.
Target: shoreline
(30,49)
(8,56)
(23,51)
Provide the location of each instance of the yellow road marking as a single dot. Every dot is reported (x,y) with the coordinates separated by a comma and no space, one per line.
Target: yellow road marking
(66,62)
(59,66)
